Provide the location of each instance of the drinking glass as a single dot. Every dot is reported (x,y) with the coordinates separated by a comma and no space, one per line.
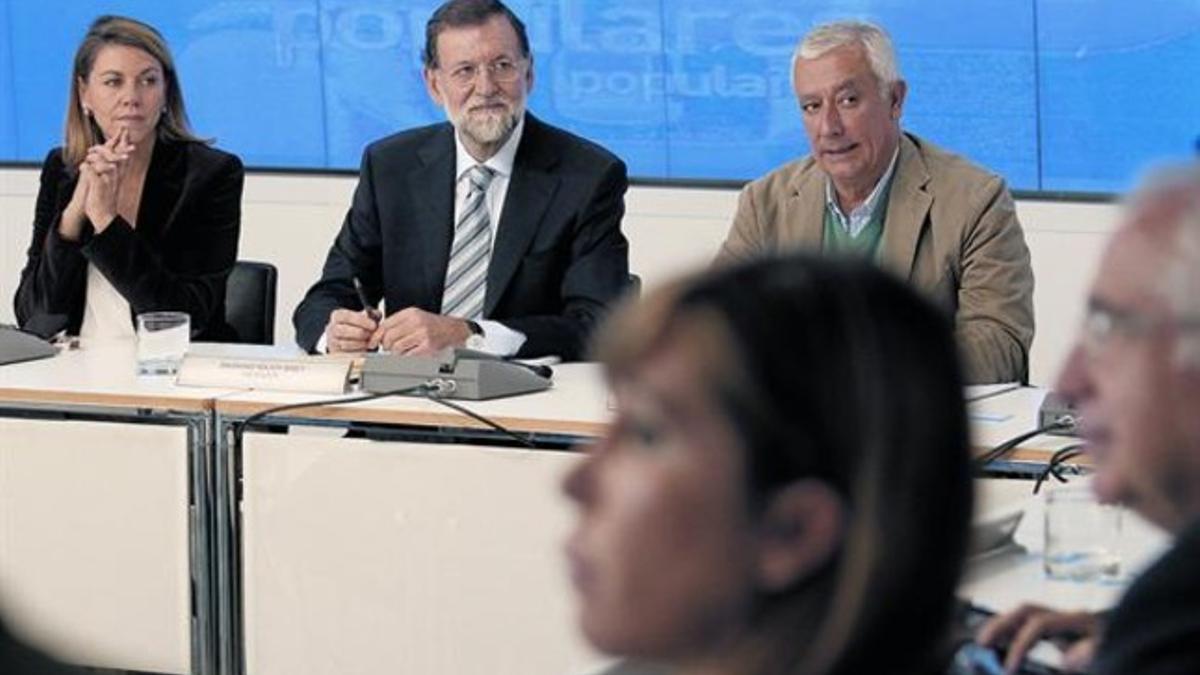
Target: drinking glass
(162,340)
(1082,536)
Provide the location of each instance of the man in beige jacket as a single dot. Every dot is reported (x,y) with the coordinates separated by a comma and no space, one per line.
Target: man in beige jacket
(932,217)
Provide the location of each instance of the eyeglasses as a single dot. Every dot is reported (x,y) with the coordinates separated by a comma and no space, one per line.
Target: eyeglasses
(1103,322)
(502,71)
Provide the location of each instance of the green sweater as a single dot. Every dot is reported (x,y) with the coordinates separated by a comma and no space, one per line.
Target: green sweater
(838,241)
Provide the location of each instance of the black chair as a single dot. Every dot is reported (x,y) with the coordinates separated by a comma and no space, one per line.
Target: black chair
(250,302)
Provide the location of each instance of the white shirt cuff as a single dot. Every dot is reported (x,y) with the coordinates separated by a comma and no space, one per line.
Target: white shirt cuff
(499,339)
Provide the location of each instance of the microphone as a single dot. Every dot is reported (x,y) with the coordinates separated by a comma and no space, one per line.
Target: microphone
(539,370)
(1057,411)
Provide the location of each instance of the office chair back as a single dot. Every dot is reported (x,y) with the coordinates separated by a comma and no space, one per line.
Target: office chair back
(250,302)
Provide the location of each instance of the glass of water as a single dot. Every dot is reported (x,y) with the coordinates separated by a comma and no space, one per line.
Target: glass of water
(162,340)
(1082,536)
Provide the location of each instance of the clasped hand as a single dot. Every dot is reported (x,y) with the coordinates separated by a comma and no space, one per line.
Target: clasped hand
(99,185)
(410,331)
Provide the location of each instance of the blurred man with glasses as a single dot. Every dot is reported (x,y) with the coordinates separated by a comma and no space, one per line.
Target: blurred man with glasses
(495,230)
(1135,377)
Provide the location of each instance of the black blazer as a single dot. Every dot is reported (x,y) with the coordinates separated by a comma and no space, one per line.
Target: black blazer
(1155,629)
(177,258)
(558,260)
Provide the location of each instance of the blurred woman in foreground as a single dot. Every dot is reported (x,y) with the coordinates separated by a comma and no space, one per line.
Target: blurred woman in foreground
(785,488)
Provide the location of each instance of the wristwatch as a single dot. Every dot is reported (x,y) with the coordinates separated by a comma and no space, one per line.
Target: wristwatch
(476,339)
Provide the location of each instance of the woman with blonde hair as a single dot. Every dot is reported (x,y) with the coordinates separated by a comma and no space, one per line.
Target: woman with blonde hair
(785,486)
(135,213)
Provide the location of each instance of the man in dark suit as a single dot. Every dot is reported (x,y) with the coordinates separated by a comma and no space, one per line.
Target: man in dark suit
(1135,376)
(494,230)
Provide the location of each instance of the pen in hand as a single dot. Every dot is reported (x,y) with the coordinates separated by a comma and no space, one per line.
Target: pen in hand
(362,297)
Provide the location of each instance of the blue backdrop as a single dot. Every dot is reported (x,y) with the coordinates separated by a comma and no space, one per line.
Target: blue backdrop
(1053,94)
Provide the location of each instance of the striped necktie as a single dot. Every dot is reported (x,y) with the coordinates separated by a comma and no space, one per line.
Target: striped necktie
(466,275)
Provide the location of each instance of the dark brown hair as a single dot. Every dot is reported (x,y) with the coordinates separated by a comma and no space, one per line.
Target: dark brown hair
(834,371)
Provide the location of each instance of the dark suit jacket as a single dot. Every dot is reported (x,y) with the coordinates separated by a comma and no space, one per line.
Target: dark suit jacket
(558,259)
(1155,629)
(177,258)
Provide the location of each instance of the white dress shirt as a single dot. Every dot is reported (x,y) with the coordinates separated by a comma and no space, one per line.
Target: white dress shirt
(861,215)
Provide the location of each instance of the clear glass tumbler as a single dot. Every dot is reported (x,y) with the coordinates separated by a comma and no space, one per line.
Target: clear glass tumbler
(162,340)
(1082,536)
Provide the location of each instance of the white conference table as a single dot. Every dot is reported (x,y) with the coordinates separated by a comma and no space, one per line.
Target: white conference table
(409,556)
(111,497)
(313,552)
(102,376)
(299,490)
(576,406)
(1008,414)
(105,504)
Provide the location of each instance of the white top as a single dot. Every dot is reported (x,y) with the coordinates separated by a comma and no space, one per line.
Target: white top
(105,310)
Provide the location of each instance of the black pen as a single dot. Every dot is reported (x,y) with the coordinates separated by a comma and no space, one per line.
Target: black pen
(362,297)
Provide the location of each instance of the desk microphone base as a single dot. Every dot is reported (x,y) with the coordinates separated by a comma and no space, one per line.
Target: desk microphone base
(460,375)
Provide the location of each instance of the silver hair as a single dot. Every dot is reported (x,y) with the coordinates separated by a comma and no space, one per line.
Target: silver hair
(881,54)
(1173,194)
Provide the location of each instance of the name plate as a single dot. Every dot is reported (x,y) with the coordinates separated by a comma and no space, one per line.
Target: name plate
(317,376)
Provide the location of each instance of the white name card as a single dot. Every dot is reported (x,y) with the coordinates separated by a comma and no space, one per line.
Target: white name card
(318,376)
